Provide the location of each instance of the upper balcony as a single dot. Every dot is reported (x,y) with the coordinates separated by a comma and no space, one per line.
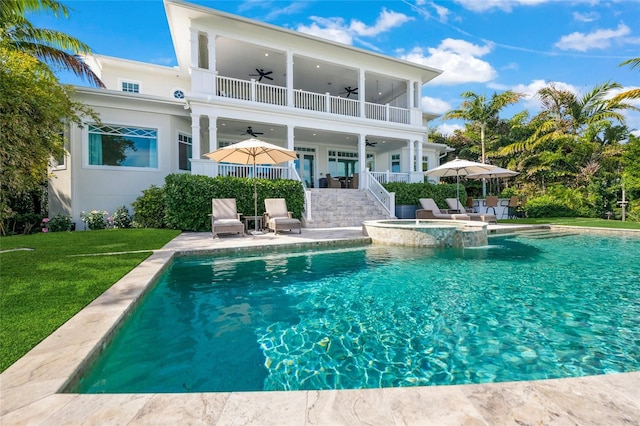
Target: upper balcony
(206,82)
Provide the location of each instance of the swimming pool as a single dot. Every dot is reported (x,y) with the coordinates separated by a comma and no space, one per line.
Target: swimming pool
(520,309)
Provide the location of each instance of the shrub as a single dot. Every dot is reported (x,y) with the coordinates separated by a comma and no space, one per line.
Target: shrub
(188,197)
(410,193)
(149,209)
(122,218)
(548,206)
(56,223)
(96,219)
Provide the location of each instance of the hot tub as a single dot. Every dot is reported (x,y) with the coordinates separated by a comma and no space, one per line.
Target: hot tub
(426,233)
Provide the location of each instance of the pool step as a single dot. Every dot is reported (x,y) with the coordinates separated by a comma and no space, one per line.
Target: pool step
(332,208)
(544,234)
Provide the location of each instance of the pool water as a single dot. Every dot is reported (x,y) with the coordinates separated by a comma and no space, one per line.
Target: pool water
(522,308)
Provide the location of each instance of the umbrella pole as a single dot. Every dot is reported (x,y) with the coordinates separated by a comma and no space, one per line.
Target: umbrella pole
(255,197)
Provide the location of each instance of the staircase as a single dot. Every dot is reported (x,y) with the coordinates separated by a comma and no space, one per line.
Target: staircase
(332,208)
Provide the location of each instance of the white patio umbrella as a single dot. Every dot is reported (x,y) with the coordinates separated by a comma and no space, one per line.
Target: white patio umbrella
(458,168)
(252,151)
(498,172)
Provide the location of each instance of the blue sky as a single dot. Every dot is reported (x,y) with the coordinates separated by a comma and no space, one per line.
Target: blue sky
(481,45)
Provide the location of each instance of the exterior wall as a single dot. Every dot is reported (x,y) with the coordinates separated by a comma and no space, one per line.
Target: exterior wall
(158,83)
(60,195)
(84,188)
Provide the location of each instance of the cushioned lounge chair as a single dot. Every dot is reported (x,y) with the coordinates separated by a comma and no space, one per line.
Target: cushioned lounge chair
(455,206)
(278,218)
(430,210)
(225,218)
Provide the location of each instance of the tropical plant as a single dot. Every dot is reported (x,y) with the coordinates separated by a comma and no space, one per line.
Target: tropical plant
(631,93)
(477,109)
(121,218)
(48,46)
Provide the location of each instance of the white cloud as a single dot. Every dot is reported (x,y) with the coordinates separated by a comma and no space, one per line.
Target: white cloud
(531,90)
(336,28)
(386,21)
(288,10)
(599,39)
(586,17)
(505,5)
(448,129)
(434,105)
(329,28)
(458,59)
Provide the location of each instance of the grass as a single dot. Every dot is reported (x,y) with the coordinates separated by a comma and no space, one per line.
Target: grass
(41,288)
(576,221)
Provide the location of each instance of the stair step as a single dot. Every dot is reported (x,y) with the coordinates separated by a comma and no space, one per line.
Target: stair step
(342,207)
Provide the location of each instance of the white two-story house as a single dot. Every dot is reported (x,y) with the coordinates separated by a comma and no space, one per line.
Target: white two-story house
(344,110)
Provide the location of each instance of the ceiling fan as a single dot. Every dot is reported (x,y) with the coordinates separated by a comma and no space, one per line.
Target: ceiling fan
(262,74)
(250,132)
(350,91)
(367,143)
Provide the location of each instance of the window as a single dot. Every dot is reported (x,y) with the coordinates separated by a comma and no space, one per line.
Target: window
(184,151)
(395,163)
(113,145)
(130,86)
(425,163)
(59,162)
(343,163)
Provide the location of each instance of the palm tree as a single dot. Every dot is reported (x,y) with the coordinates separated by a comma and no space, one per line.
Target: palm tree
(631,93)
(477,109)
(48,46)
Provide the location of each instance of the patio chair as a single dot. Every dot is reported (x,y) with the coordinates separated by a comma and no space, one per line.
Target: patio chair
(491,202)
(430,210)
(354,182)
(278,218)
(332,182)
(225,218)
(455,206)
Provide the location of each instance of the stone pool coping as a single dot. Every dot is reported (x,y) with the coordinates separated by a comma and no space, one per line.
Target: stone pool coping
(29,389)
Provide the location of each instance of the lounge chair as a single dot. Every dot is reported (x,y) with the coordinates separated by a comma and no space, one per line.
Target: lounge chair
(455,206)
(277,217)
(225,218)
(430,210)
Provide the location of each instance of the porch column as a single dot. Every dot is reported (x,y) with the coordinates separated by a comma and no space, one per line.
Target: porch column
(211,46)
(361,96)
(410,95)
(213,132)
(290,130)
(289,79)
(412,156)
(420,154)
(194,49)
(362,157)
(195,136)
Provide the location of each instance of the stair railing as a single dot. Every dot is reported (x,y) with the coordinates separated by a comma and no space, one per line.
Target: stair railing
(307,194)
(385,198)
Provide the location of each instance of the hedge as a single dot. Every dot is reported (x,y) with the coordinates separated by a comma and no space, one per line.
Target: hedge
(187,198)
(410,193)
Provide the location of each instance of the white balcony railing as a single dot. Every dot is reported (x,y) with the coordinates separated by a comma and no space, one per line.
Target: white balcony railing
(254,91)
(387,177)
(386,199)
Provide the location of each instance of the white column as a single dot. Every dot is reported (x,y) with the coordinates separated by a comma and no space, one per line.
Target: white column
(420,155)
(290,145)
(412,156)
(290,141)
(195,136)
(362,157)
(361,95)
(194,48)
(211,46)
(213,132)
(410,95)
(290,78)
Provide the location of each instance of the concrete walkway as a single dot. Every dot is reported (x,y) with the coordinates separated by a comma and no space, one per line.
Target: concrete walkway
(29,389)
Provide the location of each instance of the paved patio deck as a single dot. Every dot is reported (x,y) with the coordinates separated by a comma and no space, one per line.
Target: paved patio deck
(29,389)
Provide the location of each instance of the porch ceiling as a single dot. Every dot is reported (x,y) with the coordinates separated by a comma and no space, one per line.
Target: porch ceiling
(238,59)
(236,131)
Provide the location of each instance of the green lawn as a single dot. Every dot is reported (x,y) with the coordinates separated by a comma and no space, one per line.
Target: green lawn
(578,221)
(42,288)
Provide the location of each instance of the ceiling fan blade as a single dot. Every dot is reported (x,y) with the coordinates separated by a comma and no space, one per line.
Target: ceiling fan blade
(267,77)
